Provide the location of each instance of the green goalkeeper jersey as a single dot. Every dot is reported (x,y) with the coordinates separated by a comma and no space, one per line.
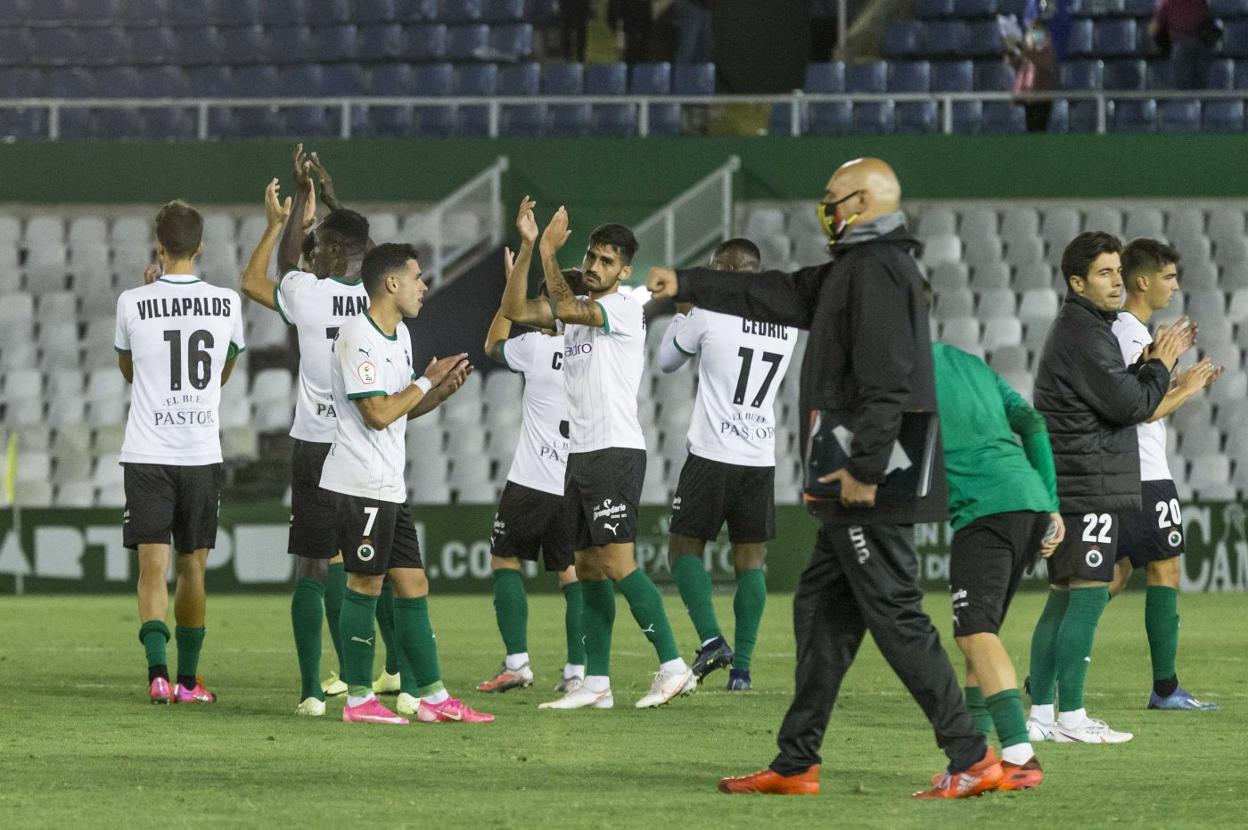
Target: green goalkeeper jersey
(981,421)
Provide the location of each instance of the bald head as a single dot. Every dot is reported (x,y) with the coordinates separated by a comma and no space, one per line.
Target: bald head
(873,181)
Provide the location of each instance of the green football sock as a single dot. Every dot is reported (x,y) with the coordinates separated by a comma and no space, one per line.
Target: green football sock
(598,619)
(190,641)
(646,603)
(306,614)
(694,584)
(385,624)
(978,710)
(154,634)
(511,608)
(414,634)
(335,590)
(1074,644)
(747,607)
(1161,622)
(1044,648)
(358,642)
(574,606)
(1006,709)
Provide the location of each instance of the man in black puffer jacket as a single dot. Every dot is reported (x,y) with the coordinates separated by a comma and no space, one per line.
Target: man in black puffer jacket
(1091,403)
(868,361)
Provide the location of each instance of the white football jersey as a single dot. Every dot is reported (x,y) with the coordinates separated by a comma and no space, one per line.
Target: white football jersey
(602,371)
(542,453)
(179,331)
(1133,336)
(741,363)
(366,362)
(316,308)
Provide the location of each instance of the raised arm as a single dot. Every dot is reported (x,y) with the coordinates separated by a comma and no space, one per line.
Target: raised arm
(672,355)
(500,326)
(256,283)
(772,296)
(516,305)
(328,194)
(291,246)
(380,410)
(567,306)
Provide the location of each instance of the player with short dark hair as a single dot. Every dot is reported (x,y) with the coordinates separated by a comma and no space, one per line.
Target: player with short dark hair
(177,338)
(1091,404)
(604,361)
(730,474)
(375,392)
(1152,538)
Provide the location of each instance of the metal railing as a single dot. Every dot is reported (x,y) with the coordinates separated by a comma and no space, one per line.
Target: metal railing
(356,111)
(689,224)
(480,196)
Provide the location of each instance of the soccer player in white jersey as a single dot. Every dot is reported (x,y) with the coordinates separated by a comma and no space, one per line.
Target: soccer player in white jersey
(531,517)
(604,337)
(375,392)
(1152,538)
(177,338)
(730,474)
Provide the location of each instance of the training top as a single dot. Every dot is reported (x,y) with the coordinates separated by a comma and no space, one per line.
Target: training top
(740,366)
(316,308)
(542,454)
(1133,337)
(367,363)
(602,371)
(980,415)
(180,331)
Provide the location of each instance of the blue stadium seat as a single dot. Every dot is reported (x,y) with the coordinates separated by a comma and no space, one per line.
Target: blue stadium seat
(413,10)
(466,42)
(830,119)
(1178,117)
(606,79)
(255,122)
(323,12)
(780,121)
(1114,37)
(334,43)
(694,79)
(1081,74)
(1059,118)
(394,79)
(1003,117)
(874,118)
(20,82)
(254,81)
(474,80)
(1241,74)
(390,121)
(1160,75)
(542,11)
(426,42)
(118,82)
(1223,116)
(191,13)
(64,82)
(1145,46)
(1082,117)
(953,76)
(650,79)
(77,123)
(209,82)
(374,11)
(310,121)
(243,44)
(994,76)
(869,77)
(50,11)
(381,42)
(142,12)
(1139,8)
(124,122)
(459,11)
(1221,74)
(162,82)
(514,40)
(519,79)
(1079,39)
(825,77)
(169,123)
(289,44)
(281,12)
(107,45)
(14,47)
(523,80)
(348,80)
(23,123)
(945,37)
(1228,8)
(565,79)
(1235,39)
(433,79)
(1126,75)
(902,40)
(1134,116)
(198,45)
(238,12)
(158,46)
(917,117)
(910,76)
(13,12)
(56,46)
(610,119)
(503,11)
(974,8)
(931,9)
(983,40)
(298,81)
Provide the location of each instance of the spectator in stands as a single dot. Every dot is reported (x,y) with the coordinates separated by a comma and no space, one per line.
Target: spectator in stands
(635,19)
(1185,30)
(693,20)
(574,21)
(1035,70)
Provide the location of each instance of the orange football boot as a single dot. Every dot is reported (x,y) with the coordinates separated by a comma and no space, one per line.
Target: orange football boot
(983,776)
(773,783)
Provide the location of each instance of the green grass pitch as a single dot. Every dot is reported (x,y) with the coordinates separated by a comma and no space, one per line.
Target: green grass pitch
(80,746)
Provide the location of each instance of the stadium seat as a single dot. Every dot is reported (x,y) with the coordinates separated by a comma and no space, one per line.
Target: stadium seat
(478,80)
(902,40)
(288,44)
(915,76)
(1235,39)
(1000,117)
(434,79)
(1125,75)
(825,77)
(521,80)
(931,9)
(610,119)
(1178,117)
(983,40)
(936,221)
(565,79)
(694,79)
(1160,75)
(873,118)
(334,43)
(1079,39)
(378,42)
(1223,116)
(916,117)
(505,11)
(348,79)
(656,79)
(1114,37)
(871,77)
(953,76)
(277,12)
(994,76)
(459,11)
(425,42)
(512,41)
(1081,74)
(1144,221)
(1083,117)
(466,42)
(945,38)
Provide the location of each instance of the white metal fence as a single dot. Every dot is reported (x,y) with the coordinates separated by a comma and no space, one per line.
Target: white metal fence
(689,224)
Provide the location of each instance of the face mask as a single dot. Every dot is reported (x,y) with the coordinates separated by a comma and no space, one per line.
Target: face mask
(826,211)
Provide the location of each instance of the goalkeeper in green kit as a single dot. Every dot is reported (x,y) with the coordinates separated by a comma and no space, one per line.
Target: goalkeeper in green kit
(1004,510)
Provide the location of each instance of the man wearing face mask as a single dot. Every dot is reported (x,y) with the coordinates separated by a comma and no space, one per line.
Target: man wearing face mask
(868,361)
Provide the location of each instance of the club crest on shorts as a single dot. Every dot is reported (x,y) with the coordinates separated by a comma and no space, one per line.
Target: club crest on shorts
(1175,539)
(365,552)
(1094,558)
(367,372)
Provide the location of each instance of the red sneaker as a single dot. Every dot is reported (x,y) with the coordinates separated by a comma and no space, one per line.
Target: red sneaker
(198,694)
(1020,777)
(159,692)
(980,778)
(773,783)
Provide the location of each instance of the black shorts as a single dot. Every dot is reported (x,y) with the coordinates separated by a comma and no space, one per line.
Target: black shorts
(712,492)
(530,520)
(164,500)
(601,492)
(375,536)
(1155,533)
(1088,550)
(986,563)
(312,530)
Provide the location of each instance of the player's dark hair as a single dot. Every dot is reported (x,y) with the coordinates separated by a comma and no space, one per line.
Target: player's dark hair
(1146,257)
(618,237)
(382,260)
(179,228)
(739,254)
(576,281)
(1083,251)
(348,224)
